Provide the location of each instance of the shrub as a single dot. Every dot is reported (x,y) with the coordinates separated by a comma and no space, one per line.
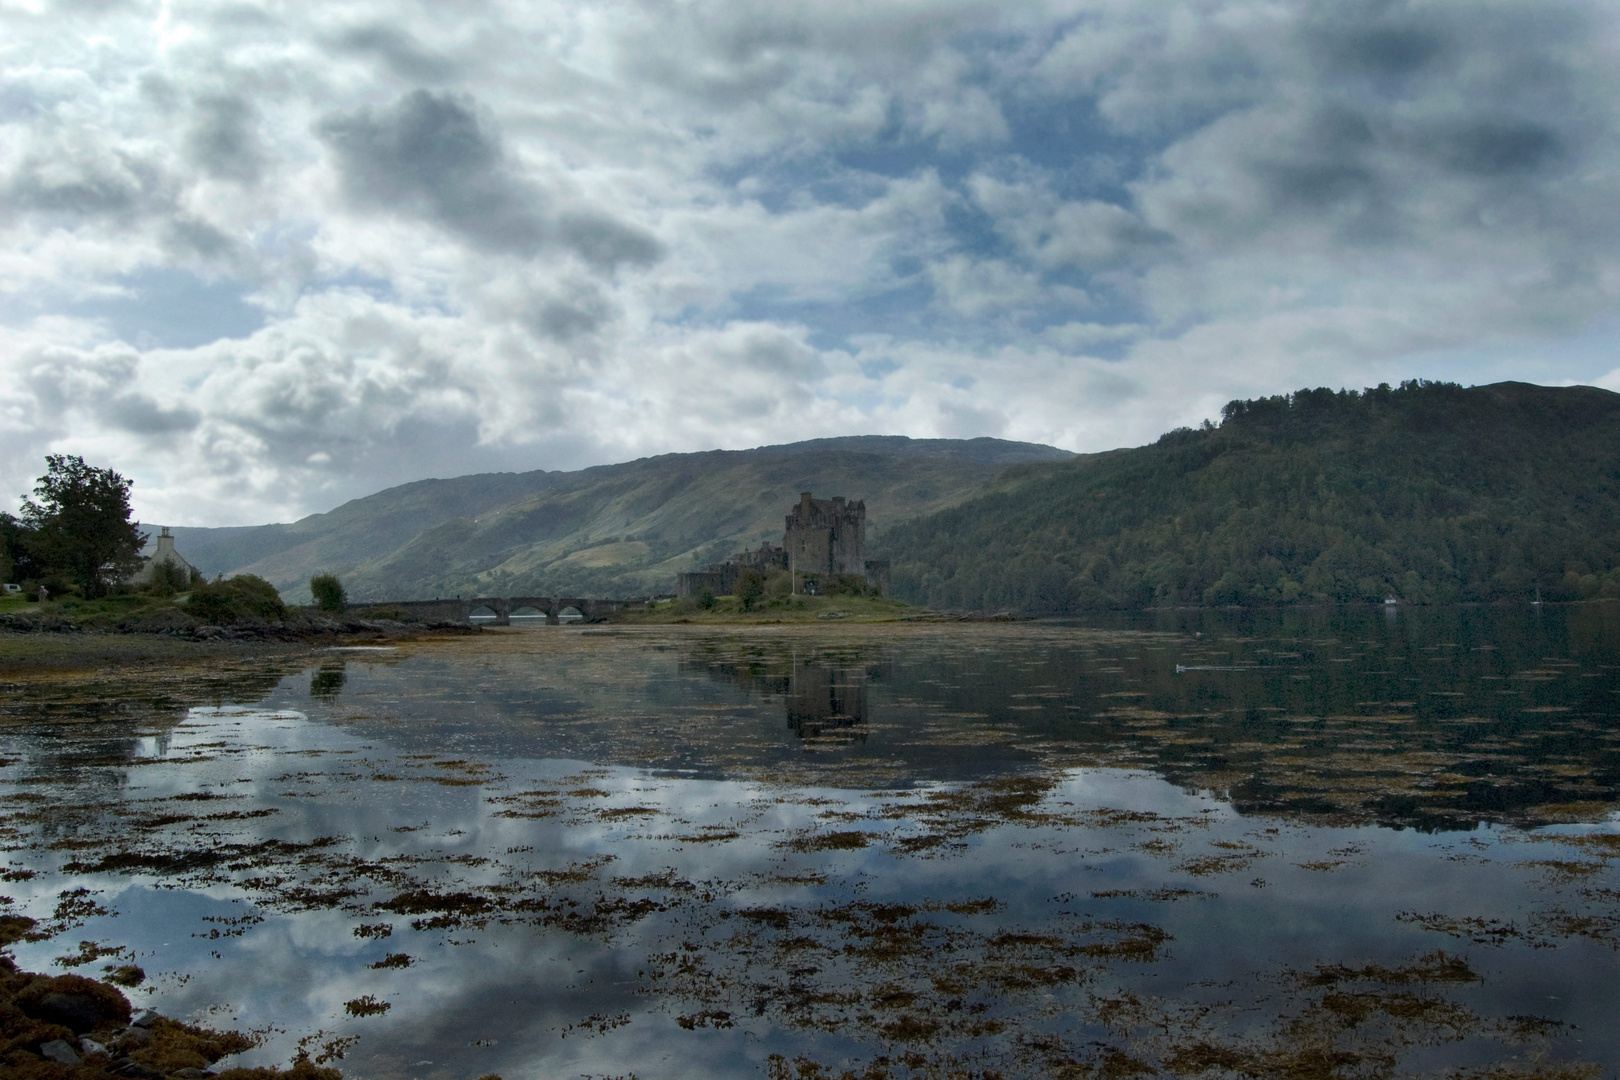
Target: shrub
(750,588)
(168,579)
(328,592)
(837,585)
(245,597)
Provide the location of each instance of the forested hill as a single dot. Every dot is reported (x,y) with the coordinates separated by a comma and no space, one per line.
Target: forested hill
(611,530)
(1429,492)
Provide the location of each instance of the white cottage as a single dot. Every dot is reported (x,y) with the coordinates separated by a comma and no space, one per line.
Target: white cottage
(163,554)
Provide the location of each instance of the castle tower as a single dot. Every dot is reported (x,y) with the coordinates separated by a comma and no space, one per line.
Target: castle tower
(826,536)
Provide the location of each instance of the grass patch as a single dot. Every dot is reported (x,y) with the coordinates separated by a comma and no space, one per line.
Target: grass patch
(779,609)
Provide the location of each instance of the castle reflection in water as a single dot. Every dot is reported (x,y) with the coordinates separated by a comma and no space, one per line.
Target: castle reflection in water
(824,698)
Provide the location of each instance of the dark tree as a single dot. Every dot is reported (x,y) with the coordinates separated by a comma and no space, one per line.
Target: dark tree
(750,588)
(328,592)
(16,562)
(80,526)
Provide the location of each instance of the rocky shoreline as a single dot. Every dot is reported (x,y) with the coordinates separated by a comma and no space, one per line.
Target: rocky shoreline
(68,1027)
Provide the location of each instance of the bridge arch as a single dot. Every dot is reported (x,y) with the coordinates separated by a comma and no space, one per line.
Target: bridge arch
(504,607)
(497,606)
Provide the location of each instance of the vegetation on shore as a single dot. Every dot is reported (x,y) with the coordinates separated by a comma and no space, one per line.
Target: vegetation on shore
(77,549)
(75,535)
(186,623)
(728,610)
(1427,492)
(775,599)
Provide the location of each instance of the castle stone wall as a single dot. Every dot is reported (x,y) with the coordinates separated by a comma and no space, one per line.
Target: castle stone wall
(826,536)
(822,538)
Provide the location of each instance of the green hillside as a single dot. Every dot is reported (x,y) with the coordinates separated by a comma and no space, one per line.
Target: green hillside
(1430,492)
(612,530)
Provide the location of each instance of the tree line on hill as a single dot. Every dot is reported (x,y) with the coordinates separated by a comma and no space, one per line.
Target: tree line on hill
(1428,492)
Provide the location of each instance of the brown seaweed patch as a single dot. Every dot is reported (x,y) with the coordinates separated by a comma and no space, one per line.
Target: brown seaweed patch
(846,840)
(1157,896)
(89,952)
(1208,865)
(988,905)
(448,911)
(1431,968)
(1605,845)
(125,974)
(596,1024)
(1322,865)
(574,873)
(175,1045)
(228,927)
(620,813)
(1479,930)
(366,1005)
(912,844)
(1564,924)
(717,836)
(1563,871)
(665,879)
(1135,942)
(179,861)
(909,1028)
(14,928)
(393,961)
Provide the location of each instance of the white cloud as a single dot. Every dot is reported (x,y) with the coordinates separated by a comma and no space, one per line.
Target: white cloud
(263,260)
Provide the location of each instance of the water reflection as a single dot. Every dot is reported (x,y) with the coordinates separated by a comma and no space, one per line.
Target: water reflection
(326,682)
(1147,844)
(827,703)
(1436,720)
(823,693)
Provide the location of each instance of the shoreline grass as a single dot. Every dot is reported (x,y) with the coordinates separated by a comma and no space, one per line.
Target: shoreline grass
(729,611)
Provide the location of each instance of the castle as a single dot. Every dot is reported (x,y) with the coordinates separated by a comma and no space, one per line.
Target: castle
(824,538)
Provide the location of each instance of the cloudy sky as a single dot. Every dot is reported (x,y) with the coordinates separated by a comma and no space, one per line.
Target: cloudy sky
(266,257)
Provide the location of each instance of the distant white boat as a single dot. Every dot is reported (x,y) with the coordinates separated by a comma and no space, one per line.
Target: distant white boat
(1390,601)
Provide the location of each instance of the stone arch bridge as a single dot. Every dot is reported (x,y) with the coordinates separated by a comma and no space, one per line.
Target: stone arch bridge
(552,607)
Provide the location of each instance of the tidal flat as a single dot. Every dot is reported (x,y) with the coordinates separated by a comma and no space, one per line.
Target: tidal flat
(1349,843)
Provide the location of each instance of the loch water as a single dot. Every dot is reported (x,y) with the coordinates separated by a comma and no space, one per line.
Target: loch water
(1356,842)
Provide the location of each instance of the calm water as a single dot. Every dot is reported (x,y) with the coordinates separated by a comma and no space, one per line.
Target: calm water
(1358,844)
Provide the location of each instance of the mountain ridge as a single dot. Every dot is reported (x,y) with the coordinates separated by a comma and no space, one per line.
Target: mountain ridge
(618,529)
